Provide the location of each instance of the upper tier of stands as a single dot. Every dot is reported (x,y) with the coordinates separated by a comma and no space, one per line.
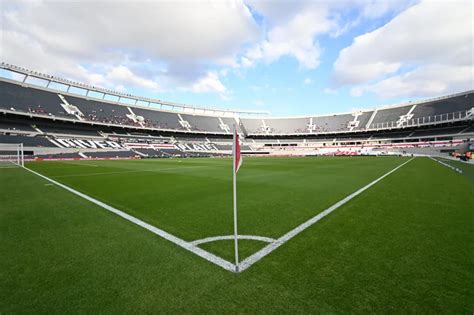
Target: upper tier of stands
(363,119)
(203,123)
(451,105)
(299,125)
(390,114)
(55,104)
(31,100)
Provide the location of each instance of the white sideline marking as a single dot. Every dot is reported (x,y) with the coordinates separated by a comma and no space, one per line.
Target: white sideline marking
(447,165)
(182,243)
(231,237)
(249,261)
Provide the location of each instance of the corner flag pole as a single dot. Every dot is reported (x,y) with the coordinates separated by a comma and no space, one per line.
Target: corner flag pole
(236,160)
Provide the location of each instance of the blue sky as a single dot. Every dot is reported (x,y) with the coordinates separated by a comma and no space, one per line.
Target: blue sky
(289,58)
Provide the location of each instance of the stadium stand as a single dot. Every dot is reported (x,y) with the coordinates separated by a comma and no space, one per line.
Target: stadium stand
(101,111)
(254,126)
(228,124)
(438,131)
(160,119)
(43,119)
(111,154)
(451,106)
(332,123)
(386,135)
(288,125)
(149,152)
(14,126)
(59,156)
(28,141)
(203,123)
(30,100)
(66,129)
(389,115)
(363,119)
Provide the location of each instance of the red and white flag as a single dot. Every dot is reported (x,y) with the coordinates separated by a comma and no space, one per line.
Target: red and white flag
(237,157)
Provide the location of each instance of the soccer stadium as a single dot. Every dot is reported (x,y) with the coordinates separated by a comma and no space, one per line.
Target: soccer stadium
(117,200)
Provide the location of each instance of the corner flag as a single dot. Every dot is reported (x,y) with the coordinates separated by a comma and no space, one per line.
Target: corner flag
(236,165)
(237,158)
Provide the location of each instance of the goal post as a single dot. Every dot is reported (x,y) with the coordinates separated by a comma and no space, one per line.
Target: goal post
(11,155)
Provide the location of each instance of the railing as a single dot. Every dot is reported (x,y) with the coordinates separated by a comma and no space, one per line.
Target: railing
(422,121)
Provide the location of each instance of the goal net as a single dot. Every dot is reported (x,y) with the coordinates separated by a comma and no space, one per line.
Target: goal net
(11,155)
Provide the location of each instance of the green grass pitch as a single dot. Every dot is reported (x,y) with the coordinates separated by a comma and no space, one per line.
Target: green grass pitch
(405,244)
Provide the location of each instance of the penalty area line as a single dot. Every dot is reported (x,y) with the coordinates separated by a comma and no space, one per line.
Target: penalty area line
(169,237)
(249,261)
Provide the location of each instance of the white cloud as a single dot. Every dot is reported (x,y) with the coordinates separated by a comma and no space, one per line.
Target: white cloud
(125,76)
(120,88)
(175,42)
(226,97)
(293,28)
(432,35)
(308,81)
(209,83)
(365,11)
(373,9)
(357,91)
(329,91)
(427,80)
(259,103)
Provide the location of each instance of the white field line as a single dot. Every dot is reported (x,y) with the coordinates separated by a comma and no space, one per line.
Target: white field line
(155,170)
(182,243)
(231,237)
(249,261)
(447,165)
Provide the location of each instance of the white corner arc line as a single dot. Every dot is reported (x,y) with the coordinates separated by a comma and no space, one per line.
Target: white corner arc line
(231,237)
(169,237)
(249,261)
